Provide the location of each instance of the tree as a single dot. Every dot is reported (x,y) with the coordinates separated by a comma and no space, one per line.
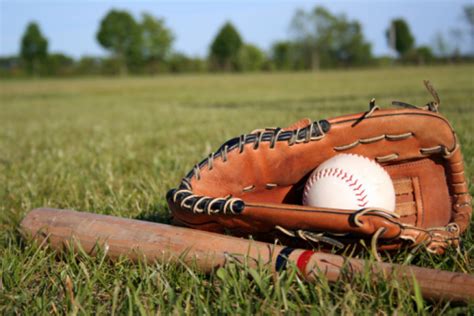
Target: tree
(469,15)
(156,40)
(59,64)
(121,34)
(225,48)
(441,46)
(420,56)
(324,39)
(308,35)
(34,48)
(179,62)
(10,66)
(347,45)
(283,55)
(456,36)
(250,58)
(399,37)
(89,65)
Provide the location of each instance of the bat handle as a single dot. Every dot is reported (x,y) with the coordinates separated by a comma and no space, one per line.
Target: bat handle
(433,284)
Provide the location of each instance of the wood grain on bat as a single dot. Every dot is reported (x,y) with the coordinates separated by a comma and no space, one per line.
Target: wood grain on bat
(206,251)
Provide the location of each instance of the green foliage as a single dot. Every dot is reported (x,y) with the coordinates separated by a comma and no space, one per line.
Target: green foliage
(179,63)
(115,146)
(469,14)
(282,54)
(441,45)
(156,41)
(325,40)
(419,56)
(384,61)
(34,48)
(347,44)
(10,66)
(120,33)
(139,47)
(225,48)
(250,58)
(58,64)
(399,37)
(319,39)
(89,65)
(469,17)
(112,66)
(307,36)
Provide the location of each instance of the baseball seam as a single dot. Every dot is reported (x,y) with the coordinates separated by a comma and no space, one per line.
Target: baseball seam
(354,184)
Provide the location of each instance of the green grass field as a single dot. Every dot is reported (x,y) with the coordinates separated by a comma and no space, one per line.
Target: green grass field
(115,146)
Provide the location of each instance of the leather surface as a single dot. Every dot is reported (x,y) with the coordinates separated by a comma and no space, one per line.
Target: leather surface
(418,148)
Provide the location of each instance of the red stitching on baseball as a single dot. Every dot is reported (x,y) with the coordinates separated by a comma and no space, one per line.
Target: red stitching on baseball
(354,183)
(340,174)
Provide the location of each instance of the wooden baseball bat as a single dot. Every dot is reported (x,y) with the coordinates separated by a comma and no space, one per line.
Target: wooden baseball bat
(207,251)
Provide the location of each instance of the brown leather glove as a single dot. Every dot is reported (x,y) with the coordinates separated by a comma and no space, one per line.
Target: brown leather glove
(253,183)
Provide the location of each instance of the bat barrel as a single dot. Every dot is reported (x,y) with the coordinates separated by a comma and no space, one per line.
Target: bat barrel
(207,251)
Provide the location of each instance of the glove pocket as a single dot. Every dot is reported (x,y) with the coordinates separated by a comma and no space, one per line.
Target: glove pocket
(422,192)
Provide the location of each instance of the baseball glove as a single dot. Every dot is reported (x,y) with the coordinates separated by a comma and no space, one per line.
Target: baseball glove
(253,184)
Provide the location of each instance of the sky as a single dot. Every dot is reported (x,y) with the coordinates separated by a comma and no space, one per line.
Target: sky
(71,26)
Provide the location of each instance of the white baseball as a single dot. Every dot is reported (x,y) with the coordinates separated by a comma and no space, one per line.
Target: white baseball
(348,181)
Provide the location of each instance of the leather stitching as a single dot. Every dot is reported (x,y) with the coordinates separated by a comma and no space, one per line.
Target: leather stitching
(370,140)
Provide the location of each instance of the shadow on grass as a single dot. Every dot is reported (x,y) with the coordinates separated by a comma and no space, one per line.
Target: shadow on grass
(160,213)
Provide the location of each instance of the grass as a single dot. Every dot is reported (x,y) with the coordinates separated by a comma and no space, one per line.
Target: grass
(115,146)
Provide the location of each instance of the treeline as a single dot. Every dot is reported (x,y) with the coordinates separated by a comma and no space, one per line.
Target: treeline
(319,40)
